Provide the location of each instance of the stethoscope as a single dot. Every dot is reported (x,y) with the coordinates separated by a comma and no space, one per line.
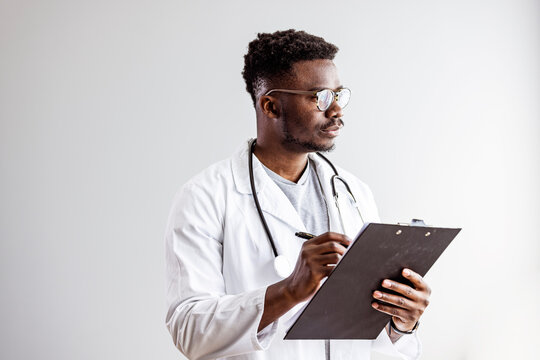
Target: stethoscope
(281,264)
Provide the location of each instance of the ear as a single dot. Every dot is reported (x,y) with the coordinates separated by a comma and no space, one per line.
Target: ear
(269,106)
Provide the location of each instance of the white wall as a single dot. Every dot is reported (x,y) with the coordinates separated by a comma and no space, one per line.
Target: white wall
(107,107)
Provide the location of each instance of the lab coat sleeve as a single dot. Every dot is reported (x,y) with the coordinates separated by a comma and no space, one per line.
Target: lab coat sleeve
(407,347)
(204,322)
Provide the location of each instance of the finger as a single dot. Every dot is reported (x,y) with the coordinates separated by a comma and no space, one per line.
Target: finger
(325,248)
(398,301)
(331,236)
(415,279)
(330,247)
(321,271)
(402,289)
(392,310)
(327,270)
(328,259)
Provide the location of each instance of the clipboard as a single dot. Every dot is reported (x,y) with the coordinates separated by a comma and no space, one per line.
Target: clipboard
(341,308)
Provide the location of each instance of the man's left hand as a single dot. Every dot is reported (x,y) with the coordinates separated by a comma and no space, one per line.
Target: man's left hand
(407,309)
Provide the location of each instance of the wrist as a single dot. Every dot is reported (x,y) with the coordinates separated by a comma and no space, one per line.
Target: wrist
(395,329)
(288,293)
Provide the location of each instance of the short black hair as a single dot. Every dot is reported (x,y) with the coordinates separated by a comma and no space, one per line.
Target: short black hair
(273,55)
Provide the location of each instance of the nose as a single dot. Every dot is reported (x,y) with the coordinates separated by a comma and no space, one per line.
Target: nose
(334,111)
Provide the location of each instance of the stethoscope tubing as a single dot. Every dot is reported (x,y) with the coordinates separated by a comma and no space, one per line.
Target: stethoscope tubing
(280,262)
(256,198)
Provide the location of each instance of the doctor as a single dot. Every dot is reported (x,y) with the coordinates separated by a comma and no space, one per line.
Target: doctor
(227,296)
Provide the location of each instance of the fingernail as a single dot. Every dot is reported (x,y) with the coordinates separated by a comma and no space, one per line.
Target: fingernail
(387,283)
(406,272)
(377,294)
(375,305)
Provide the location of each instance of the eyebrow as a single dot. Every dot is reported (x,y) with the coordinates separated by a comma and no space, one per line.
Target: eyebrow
(317,88)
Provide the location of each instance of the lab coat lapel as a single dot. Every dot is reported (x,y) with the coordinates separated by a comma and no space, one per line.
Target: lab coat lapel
(275,202)
(325,172)
(351,220)
(272,200)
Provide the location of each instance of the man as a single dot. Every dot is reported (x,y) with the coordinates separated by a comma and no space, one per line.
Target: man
(225,294)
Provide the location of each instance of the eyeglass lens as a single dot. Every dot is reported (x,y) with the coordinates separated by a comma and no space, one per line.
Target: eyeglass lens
(326,97)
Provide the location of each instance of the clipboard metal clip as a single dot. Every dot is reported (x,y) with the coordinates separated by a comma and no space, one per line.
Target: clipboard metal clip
(414,222)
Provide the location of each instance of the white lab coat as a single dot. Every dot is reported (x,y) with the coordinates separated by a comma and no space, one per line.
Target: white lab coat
(219,263)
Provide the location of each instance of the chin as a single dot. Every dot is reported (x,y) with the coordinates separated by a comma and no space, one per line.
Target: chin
(309,146)
(326,148)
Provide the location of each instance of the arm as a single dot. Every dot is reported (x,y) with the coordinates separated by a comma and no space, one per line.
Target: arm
(203,320)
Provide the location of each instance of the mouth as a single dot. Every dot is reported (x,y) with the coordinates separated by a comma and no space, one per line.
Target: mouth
(332,131)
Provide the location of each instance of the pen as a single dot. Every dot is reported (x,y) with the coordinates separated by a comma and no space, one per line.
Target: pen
(307,236)
(304,235)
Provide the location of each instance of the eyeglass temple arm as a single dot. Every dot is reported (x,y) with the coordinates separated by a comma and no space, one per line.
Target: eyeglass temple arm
(301,92)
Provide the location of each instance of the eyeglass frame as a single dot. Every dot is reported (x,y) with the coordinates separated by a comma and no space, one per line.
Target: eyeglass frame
(335,95)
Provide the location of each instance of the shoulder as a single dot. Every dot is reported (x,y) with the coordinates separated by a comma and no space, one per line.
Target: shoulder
(212,185)
(359,189)
(353,179)
(221,175)
(206,192)
(350,176)
(210,178)
(358,186)
(200,202)
(354,182)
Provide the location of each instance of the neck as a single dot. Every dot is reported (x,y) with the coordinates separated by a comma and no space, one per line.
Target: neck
(287,164)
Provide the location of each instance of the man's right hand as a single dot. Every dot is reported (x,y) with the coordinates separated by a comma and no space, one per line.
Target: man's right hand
(314,264)
(316,261)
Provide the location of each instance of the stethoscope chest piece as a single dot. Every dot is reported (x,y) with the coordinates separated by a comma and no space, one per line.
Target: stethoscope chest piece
(282,266)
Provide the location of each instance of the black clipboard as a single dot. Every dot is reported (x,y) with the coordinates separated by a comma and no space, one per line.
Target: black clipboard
(341,308)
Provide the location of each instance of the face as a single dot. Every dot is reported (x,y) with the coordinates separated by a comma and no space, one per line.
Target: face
(304,127)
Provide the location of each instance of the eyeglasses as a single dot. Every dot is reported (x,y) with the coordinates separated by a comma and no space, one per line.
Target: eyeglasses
(325,97)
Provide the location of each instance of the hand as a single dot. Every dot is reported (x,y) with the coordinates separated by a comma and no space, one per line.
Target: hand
(407,309)
(315,263)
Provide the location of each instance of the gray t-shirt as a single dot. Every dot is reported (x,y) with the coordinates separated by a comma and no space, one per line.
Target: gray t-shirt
(306,197)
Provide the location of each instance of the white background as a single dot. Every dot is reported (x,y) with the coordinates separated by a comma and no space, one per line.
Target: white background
(107,107)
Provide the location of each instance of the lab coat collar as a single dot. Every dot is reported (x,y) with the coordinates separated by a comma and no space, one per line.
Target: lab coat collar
(272,200)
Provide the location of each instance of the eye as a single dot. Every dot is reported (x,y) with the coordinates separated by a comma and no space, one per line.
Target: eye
(343,97)
(324,99)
